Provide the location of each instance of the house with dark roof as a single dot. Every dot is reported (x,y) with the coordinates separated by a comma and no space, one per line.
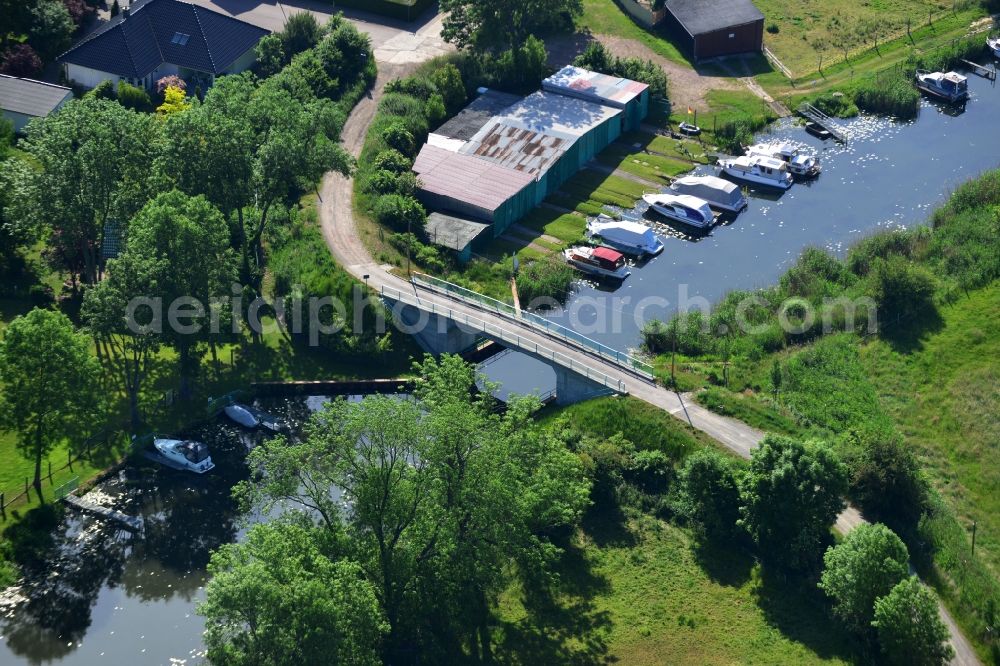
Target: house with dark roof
(713,28)
(23,100)
(156,38)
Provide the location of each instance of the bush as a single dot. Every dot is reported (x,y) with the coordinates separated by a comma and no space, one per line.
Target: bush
(415,86)
(448,81)
(892,94)
(541,282)
(901,288)
(392,160)
(399,212)
(836,104)
(20,60)
(172,81)
(301,32)
(773,28)
(435,110)
(134,98)
(397,137)
(383,181)
(104,90)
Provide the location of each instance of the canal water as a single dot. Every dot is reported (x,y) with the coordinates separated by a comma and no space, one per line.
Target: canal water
(96,595)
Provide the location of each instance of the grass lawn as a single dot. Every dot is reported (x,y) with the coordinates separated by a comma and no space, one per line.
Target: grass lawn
(864,60)
(641,591)
(944,395)
(654,168)
(684,150)
(807,27)
(589,191)
(605,17)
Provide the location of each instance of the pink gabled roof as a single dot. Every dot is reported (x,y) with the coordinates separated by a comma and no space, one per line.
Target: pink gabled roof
(470,179)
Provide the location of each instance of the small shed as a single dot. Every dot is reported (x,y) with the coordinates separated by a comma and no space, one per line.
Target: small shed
(458,234)
(712,28)
(23,100)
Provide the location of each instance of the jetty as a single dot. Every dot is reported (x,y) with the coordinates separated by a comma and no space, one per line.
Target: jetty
(982,70)
(84,505)
(810,112)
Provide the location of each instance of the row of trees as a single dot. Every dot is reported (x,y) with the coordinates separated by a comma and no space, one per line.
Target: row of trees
(413,517)
(786,502)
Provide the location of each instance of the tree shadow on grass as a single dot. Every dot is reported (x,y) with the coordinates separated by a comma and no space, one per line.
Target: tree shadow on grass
(725,564)
(561,626)
(797,608)
(907,335)
(606,525)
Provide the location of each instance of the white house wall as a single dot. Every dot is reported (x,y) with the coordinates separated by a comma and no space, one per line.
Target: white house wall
(89,78)
(244,62)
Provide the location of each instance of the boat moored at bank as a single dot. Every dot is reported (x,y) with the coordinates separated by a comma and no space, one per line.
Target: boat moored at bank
(759,170)
(625,236)
(598,261)
(682,208)
(720,194)
(798,163)
(184,453)
(951,87)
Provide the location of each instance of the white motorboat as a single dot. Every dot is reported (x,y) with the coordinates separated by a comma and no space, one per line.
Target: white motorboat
(994,44)
(719,193)
(188,454)
(759,170)
(951,87)
(600,261)
(798,163)
(625,236)
(242,415)
(682,208)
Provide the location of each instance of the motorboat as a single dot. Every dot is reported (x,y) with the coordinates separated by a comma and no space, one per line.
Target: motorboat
(758,170)
(242,415)
(951,87)
(689,129)
(682,208)
(818,130)
(994,44)
(190,455)
(625,236)
(797,162)
(600,261)
(718,192)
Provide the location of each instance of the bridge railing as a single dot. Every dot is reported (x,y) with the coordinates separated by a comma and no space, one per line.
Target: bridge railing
(503,335)
(535,321)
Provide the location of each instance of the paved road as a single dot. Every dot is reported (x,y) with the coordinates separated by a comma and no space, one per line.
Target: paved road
(341,234)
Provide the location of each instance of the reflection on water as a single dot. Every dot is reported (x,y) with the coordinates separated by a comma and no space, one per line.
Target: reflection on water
(97,594)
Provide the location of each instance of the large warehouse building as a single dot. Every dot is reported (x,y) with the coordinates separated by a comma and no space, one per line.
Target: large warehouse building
(502,155)
(712,28)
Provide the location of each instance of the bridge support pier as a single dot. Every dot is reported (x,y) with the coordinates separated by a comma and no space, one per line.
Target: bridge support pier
(436,335)
(572,387)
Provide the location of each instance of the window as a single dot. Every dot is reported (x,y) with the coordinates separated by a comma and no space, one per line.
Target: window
(732,35)
(180,39)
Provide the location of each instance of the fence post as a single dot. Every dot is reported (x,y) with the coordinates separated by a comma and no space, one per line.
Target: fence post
(69,459)
(50,471)
(3,511)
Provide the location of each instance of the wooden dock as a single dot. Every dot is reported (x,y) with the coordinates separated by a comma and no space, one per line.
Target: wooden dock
(810,112)
(84,505)
(982,70)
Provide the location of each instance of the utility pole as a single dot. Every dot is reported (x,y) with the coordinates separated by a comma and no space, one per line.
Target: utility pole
(973,538)
(673,353)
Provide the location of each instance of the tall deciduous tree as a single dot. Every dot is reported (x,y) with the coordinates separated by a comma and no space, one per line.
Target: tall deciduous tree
(95,158)
(499,24)
(189,240)
(106,312)
(910,629)
(710,486)
(287,596)
(792,494)
(866,566)
(444,494)
(50,384)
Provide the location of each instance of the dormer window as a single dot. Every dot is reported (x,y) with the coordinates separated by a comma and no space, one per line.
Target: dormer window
(180,39)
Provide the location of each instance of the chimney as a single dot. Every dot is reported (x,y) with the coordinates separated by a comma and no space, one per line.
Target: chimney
(125,12)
